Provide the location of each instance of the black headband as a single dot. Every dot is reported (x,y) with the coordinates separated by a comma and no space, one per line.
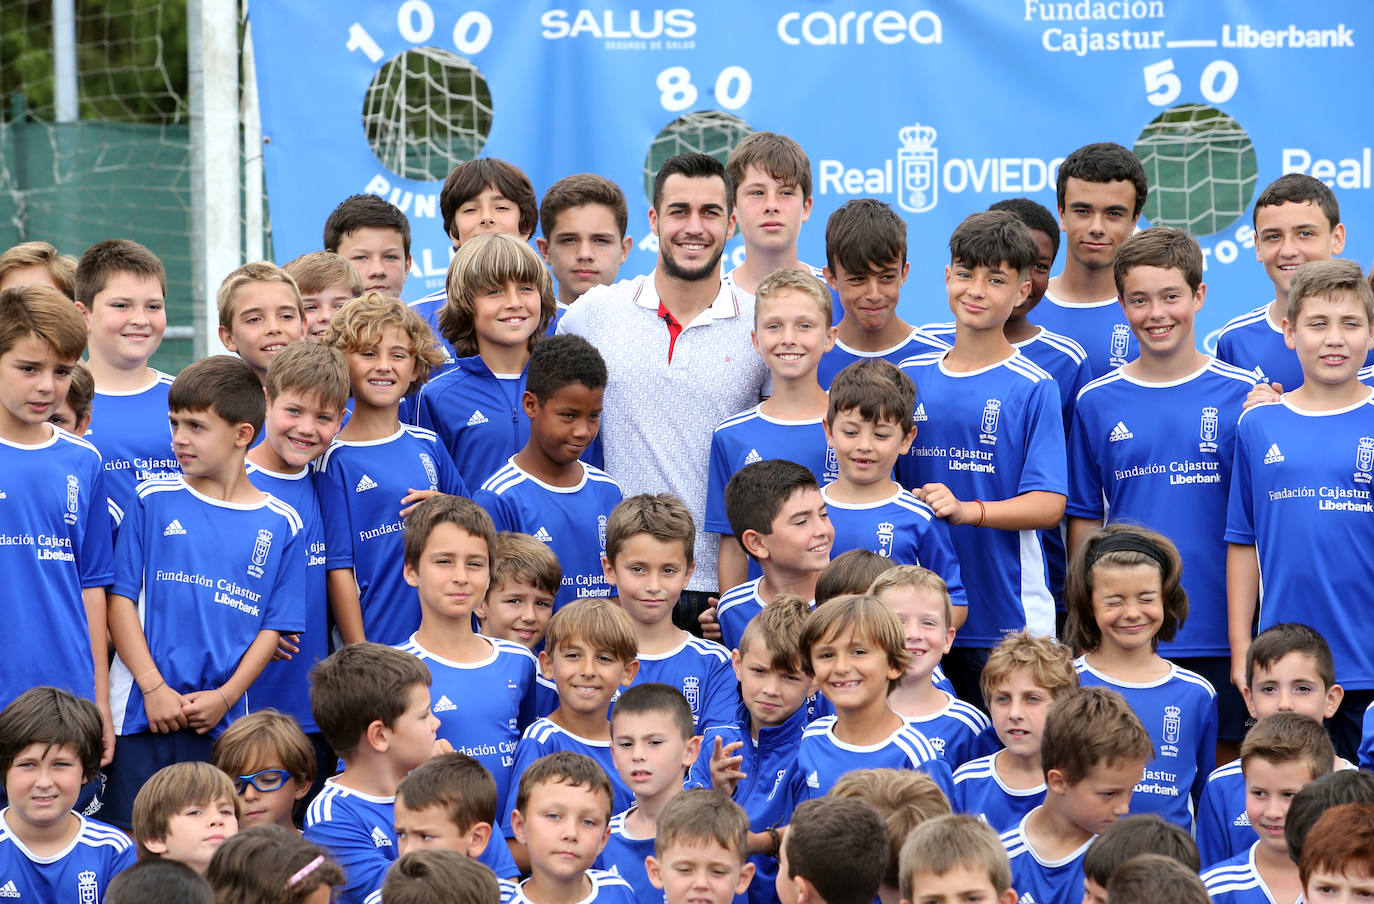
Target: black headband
(1127,541)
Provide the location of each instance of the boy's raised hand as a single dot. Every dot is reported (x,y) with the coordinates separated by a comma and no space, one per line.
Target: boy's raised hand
(725,763)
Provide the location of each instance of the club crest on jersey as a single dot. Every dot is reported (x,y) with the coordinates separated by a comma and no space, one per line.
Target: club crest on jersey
(430,471)
(691,689)
(86,887)
(1364,459)
(73,499)
(1208,430)
(1120,343)
(1173,723)
(991,410)
(601,532)
(886,533)
(261,547)
(918,167)
(832,466)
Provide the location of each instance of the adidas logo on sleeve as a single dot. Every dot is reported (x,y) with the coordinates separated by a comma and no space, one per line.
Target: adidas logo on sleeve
(477,419)
(1273,456)
(543,535)
(365,483)
(173,529)
(752,457)
(1120,432)
(9,891)
(445,705)
(380,838)
(920,414)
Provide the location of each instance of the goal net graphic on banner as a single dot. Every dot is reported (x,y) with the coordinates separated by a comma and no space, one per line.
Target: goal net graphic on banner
(1201,168)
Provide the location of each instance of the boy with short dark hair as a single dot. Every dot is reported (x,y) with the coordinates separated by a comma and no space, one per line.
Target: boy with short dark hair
(1284,452)
(377,468)
(372,704)
(1100,190)
(260,313)
(989,455)
(1094,750)
(374,237)
(954,858)
(545,489)
(55,489)
(584,220)
(184,812)
(1281,754)
(866,265)
(653,742)
(699,850)
(1296,219)
(835,852)
(209,572)
(771,175)
(779,518)
(448,801)
(649,560)
(792,330)
(326,281)
(1156,879)
(562,817)
(525,577)
(437,874)
(1143,833)
(905,800)
(121,287)
(1349,786)
(50,744)
(1152,443)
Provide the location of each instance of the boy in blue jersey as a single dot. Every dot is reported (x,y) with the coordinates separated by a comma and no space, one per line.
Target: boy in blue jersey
(584,220)
(770,176)
(448,542)
(1144,833)
(778,517)
(1100,189)
(56,538)
(958,730)
(326,282)
(525,577)
(792,330)
(955,858)
(260,313)
(649,560)
(1281,754)
(751,758)
(50,743)
(589,654)
(1094,750)
(989,456)
(545,490)
(307,389)
(835,852)
(869,426)
(376,469)
(1023,677)
(1296,219)
(372,703)
(866,265)
(1288,668)
(562,817)
(120,287)
(209,572)
(1152,443)
(272,765)
(374,237)
(854,650)
(500,303)
(653,742)
(1301,481)
(184,812)
(699,850)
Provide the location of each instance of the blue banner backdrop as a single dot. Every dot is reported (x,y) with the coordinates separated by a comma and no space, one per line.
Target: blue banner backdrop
(939,109)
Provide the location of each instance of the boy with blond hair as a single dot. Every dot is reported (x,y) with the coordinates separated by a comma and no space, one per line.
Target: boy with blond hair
(326,282)
(699,849)
(37,264)
(905,800)
(260,313)
(955,858)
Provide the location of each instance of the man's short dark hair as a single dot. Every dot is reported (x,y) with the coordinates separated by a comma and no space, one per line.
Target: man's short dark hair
(693,166)
(1143,833)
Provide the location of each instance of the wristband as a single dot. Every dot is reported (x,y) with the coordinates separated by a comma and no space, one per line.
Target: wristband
(982,513)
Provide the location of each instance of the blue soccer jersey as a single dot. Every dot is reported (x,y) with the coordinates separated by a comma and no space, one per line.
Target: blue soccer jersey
(959,732)
(477,415)
(285,684)
(1180,713)
(993,433)
(474,716)
(702,670)
(54,543)
(1300,493)
(359,832)
(901,528)
(980,791)
(841,356)
(1099,327)
(561,517)
(544,737)
(752,436)
(624,855)
(1254,342)
(1237,880)
(822,758)
(736,609)
(1161,454)
(607,887)
(207,576)
(361,485)
(1223,826)
(78,872)
(1041,881)
(134,437)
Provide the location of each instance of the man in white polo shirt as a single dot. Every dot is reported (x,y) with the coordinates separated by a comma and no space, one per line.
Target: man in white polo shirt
(678,352)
